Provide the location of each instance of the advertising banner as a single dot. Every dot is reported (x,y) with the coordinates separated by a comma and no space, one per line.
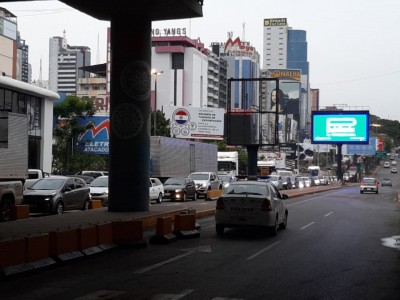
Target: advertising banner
(195,123)
(95,140)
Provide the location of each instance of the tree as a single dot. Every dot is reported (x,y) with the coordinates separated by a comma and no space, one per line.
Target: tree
(162,124)
(65,159)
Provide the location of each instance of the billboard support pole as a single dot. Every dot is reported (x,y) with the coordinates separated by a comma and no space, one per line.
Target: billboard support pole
(339,163)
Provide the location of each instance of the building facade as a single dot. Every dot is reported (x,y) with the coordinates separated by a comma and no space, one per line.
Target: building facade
(65,62)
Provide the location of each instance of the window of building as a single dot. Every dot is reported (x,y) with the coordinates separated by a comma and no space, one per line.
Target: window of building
(2,99)
(178,61)
(7,100)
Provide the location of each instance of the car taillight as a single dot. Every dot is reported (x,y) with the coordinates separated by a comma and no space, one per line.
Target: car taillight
(220,204)
(266,205)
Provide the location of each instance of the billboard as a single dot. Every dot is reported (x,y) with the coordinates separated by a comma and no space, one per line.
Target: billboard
(95,139)
(195,123)
(368,149)
(340,127)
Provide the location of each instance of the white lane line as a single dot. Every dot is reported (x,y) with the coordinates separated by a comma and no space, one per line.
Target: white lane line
(263,250)
(149,268)
(328,214)
(184,293)
(307,225)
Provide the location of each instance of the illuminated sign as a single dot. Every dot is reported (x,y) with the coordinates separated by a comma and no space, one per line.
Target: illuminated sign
(285,74)
(340,127)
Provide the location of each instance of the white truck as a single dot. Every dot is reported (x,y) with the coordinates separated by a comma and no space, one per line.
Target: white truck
(173,157)
(34,175)
(228,163)
(13,161)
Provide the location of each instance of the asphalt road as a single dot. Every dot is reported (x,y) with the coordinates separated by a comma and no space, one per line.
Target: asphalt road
(335,247)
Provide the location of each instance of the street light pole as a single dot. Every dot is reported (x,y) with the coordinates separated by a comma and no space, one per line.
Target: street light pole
(155,73)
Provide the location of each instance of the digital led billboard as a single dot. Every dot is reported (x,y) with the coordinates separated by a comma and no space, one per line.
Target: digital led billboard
(340,127)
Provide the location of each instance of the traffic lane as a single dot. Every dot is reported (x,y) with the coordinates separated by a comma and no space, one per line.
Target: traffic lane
(241,264)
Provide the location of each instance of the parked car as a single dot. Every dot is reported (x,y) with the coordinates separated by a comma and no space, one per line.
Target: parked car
(316,180)
(179,189)
(386,182)
(206,181)
(156,190)
(393,170)
(369,184)
(99,189)
(57,194)
(251,203)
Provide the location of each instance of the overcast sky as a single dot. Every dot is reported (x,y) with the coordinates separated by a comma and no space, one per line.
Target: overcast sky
(353,45)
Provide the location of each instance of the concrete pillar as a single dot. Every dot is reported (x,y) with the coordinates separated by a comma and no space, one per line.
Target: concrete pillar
(129,154)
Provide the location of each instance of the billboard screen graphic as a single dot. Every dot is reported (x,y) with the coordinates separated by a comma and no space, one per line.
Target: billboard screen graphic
(340,127)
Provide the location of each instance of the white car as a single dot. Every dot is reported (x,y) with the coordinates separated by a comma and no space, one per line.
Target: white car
(206,181)
(156,190)
(251,203)
(99,189)
(386,164)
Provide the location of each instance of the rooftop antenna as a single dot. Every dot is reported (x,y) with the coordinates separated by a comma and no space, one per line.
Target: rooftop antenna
(40,73)
(244,32)
(98,52)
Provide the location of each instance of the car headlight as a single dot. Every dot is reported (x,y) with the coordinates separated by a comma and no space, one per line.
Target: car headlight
(49,197)
(178,191)
(204,184)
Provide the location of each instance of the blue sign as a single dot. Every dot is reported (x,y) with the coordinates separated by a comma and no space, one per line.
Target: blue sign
(95,140)
(369,149)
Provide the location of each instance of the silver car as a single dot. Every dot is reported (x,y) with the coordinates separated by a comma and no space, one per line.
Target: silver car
(251,203)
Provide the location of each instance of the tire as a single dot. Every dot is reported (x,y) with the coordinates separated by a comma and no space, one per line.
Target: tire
(86,205)
(283,225)
(195,196)
(5,209)
(159,198)
(59,209)
(219,229)
(361,192)
(184,197)
(274,229)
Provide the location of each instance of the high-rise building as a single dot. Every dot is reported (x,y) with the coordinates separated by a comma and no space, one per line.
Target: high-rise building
(65,63)
(286,49)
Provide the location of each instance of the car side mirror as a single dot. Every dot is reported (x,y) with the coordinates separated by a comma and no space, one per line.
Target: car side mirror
(67,189)
(284,196)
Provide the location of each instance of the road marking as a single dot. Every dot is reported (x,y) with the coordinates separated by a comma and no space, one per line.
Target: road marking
(328,214)
(263,250)
(101,294)
(149,268)
(184,293)
(307,225)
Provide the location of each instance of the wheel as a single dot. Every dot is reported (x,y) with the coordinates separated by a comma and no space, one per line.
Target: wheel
(159,198)
(5,209)
(195,196)
(59,209)
(361,192)
(219,229)
(283,225)
(274,229)
(184,197)
(86,205)
(376,192)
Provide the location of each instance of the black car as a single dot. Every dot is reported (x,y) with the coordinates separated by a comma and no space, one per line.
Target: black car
(179,189)
(56,194)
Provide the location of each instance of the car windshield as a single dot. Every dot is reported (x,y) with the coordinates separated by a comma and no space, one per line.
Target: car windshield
(252,189)
(174,181)
(100,182)
(368,181)
(47,184)
(273,178)
(199,176)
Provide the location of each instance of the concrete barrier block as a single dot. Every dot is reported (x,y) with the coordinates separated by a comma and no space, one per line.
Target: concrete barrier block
(12,252)
(63,241)
(128,232)
(37,247)
(184,222)
(87,237)
(213,194)
(19,212)
(96,204)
